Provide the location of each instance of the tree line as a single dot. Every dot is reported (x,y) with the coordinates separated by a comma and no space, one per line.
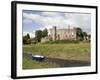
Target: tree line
(80,35)
(39,34)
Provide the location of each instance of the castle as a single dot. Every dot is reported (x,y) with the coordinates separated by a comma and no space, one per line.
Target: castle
(62,34)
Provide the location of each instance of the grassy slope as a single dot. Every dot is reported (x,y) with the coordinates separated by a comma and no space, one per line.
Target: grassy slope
(79,51)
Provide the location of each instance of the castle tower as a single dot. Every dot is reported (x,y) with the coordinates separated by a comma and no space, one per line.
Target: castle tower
(69,32)
(54,28)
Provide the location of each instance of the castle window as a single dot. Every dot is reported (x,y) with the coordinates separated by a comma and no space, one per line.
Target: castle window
(72,36)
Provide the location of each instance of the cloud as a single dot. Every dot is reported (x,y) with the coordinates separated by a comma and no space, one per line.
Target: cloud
(80,20)
(27,21)
(32,34)
(61,20)
(31,16)
(46,20)
(50,14)
(53,21)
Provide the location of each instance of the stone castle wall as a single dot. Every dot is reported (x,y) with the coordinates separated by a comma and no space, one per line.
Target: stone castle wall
(62,34)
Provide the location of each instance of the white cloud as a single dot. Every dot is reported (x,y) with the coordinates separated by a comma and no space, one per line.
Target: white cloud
(81,20)
(50,14)
(31,16)
(49,19)
(26,21)
(56,20)
(32,34)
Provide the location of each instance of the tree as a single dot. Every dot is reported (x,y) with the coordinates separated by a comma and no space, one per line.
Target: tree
(85,35)
(45,33)
(28,36)
(89,37)
(79,34)
(38,35)
(26,39)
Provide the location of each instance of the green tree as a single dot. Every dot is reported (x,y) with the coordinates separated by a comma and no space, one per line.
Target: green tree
(28,36)
(26,39)
(78,32)
(89,37)
(38,35)
(85,35)
(45,33)
(81,36)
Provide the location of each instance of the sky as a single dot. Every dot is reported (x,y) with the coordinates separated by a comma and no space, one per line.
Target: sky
(39,20)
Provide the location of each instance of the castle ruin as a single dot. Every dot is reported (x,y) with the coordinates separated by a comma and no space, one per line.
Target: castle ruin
(62,34)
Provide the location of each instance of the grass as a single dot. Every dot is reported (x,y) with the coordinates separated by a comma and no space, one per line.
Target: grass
(30,64)
(78,51)
(62,41)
